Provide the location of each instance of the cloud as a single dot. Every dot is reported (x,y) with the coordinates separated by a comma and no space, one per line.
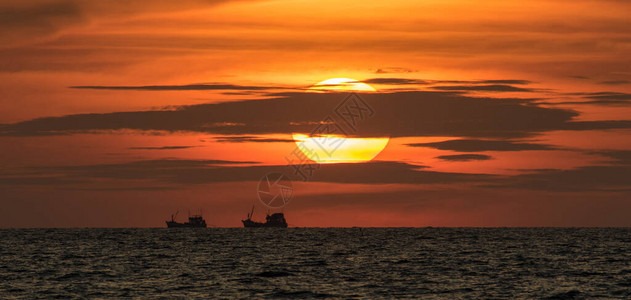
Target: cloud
(161,148)
(139,32)
(590,178)
(475,145)
(383,172)
(612,176)
(464,157)
(489,88)
(499,85)
(609,96)
(175,174)
(122,189)
(157,164)
(493,81)
(507,81)
(186,172)
(394,70)
(161,170)
(412,81)
(397,81)
(27,22)
(36,19)
(398,114)
(595,125)
(250,139)
(621,157)
(49,180)
(615,82)
(186,87)
(600,98)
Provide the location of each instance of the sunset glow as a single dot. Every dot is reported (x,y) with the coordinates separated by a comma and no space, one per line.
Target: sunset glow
(451,113)
(342,84)
(331,148)
(336,149)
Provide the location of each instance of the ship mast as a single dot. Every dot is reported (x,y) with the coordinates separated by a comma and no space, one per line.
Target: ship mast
(251,213)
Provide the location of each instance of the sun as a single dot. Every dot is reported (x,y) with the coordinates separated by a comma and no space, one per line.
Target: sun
(326,149)
(342,84)
(339,149)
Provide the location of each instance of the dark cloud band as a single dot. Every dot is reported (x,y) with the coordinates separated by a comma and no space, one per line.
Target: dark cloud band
(475,145)
(398,114)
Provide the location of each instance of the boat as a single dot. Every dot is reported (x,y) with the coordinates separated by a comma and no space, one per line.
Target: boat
(194,221)
(276,220)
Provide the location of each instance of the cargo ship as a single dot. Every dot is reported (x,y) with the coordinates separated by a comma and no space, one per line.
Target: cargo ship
(276,220)
(194,221)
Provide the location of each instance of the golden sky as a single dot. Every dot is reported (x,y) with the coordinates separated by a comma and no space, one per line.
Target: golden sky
(492,113)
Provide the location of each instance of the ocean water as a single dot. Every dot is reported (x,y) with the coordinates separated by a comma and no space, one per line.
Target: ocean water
(432,263)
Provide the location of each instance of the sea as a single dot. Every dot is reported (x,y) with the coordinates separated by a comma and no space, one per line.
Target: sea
(337,263)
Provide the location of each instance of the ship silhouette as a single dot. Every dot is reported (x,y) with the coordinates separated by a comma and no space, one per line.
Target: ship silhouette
(276,220)
(194,221)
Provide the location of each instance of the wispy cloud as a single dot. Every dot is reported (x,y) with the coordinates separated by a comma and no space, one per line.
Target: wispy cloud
(186,87)
(597,98)
(394,70)
(476,145)
(395,81)
(174,174)
(250,139)
(621,157)
(486,88)
(417,113)
(615,82)
(414,81)
(30,21)
(590,178)
(464,157)
(190,172)
(609,96)
(162,148)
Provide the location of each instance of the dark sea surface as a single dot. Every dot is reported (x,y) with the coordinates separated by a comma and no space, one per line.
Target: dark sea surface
(432,263)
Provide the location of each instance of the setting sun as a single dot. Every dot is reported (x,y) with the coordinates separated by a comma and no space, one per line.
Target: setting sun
(342,84)
(335,148)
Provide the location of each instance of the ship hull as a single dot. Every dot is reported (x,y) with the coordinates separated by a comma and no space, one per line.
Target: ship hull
(252,224)
(184,225)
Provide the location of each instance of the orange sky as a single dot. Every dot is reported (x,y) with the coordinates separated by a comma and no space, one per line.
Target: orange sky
(499,113)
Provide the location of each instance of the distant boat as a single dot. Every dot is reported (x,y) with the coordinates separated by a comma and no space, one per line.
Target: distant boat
(276,220)
(194,221)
